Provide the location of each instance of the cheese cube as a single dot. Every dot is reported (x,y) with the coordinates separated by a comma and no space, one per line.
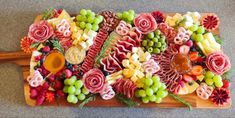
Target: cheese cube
(134,49)
(128,55)
(147,56)
(86,36)
(83,44)
(134,57)
(140,51)
(90,42)
(92,33)
(134,78)
(132,66)
(139,74)
(126,63)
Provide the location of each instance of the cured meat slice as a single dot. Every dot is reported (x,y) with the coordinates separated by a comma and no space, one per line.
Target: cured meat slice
(218,63)
(128,46)
(94,50)
(125,87)
(94,80)
(168,74)
(145,22)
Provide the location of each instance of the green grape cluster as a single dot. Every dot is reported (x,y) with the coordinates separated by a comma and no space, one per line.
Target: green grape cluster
(198,32)
(75,90)
(127,16)
(212,79)
(88,20)
(154,42)
(153,90)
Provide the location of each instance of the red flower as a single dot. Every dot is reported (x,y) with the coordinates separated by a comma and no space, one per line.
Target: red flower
(25,44)
(50,96)
(145,22)
(40,32)
(94,80)
(218,63)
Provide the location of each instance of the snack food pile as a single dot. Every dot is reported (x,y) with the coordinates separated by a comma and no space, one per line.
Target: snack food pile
(140,57)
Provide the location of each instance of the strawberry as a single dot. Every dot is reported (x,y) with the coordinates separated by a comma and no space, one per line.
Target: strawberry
(59,74)
(57,85)
(60,93)
(33,93)
(40,100)
(46,49)
(39,88)
(51,78)
(189,43)
(45,86)
(226,84)
(68,73)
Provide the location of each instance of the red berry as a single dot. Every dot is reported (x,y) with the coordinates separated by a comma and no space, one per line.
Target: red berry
(200,59)
(45,86)
(58,85)
(33,93)
(189,43)
(68,73)
(39,88)
(37,58)
(226,84)
(59,11)
(59,74)
(40,100)
(181,83)
(51,78)
(46,49)
(60,93)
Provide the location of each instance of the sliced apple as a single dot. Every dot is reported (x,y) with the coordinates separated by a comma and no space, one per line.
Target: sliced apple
(181,90)
(192,87)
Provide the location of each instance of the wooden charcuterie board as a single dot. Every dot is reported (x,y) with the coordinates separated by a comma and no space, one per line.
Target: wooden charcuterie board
(23,60)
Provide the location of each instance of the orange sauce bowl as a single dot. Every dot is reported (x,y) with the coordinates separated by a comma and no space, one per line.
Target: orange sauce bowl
(54,62)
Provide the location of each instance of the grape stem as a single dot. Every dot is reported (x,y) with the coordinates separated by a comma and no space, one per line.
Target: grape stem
(89,99)
(178,98)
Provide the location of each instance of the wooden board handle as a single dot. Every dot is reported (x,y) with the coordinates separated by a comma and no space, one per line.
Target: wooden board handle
(18,57)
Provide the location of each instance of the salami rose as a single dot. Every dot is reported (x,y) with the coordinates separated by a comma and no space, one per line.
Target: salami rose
(145,22)
(218,63)
(40,32)
(94,80)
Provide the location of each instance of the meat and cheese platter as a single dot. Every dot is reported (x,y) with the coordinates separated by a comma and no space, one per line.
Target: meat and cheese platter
(116,59)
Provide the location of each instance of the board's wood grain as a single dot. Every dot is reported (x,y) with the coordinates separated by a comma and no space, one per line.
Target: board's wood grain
(23,60)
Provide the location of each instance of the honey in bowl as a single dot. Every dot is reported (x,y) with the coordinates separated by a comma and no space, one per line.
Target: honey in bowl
(54,62)
(181,63)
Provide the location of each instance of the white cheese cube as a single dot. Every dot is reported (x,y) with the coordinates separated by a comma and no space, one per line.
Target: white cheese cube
(83,44)
(134,49)
(89,42)
(135,57)
(126,63)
